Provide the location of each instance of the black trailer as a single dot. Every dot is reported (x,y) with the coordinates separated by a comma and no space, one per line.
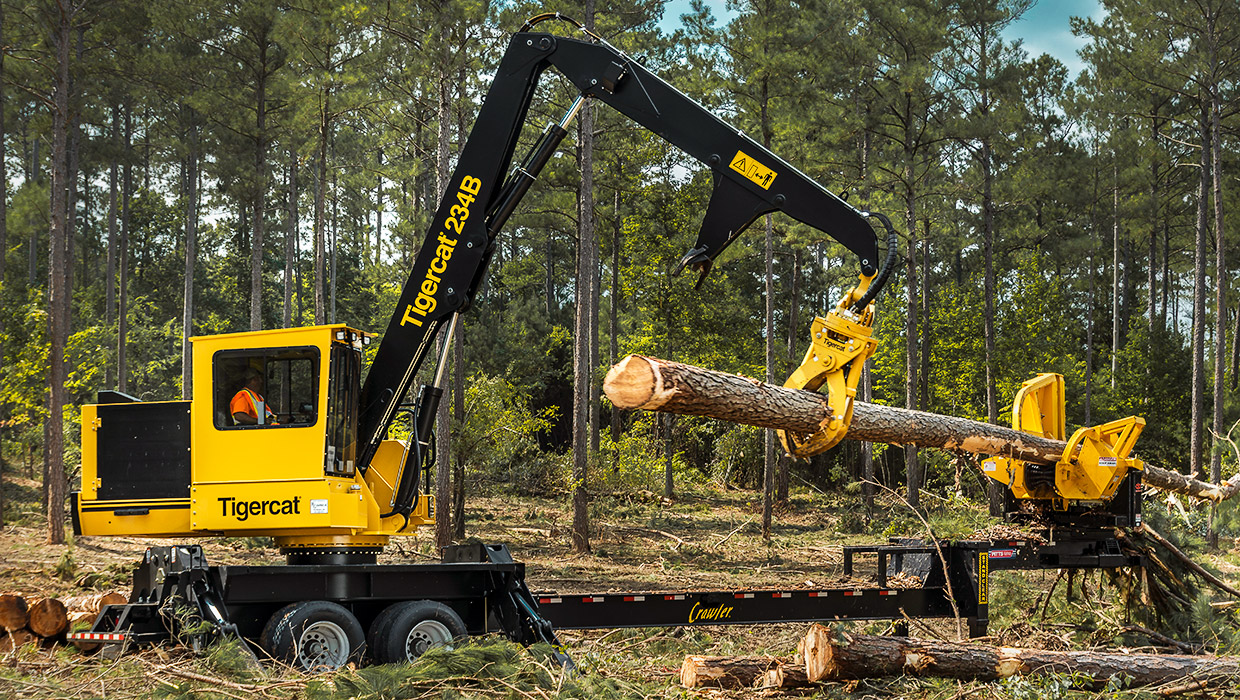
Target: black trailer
(317,616)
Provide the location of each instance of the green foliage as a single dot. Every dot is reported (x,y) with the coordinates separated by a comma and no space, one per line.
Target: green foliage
(490,664)
(497,438)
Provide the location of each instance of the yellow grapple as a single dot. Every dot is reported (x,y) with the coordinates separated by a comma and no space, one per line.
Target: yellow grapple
(840,343)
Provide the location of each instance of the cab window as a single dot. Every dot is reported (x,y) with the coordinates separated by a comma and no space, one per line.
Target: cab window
(266,388)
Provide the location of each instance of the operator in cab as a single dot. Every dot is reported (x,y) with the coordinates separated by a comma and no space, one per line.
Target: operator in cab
(247,405)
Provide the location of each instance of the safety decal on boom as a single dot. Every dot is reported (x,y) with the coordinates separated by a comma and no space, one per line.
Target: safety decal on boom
(758,173)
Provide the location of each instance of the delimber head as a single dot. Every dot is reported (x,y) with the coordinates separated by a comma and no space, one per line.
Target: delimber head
(1094,462)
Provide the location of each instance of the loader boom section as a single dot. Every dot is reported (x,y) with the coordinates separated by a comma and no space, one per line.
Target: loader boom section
(484,189)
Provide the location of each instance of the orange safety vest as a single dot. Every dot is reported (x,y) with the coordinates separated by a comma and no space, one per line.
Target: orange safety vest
(246,401)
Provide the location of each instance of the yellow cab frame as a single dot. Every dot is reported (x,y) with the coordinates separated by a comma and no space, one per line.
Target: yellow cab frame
(293,478)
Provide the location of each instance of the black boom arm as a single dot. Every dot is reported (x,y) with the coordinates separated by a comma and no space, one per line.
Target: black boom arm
(749,181)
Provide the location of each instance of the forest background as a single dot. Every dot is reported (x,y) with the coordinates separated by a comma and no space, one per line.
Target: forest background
(173,169)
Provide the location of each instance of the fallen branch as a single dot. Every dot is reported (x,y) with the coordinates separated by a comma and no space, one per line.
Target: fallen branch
(1206,575)
(1161,638)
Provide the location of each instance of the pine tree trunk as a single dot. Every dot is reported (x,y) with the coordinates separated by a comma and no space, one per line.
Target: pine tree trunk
(1197,430)
(191,257)
(320,198)
(122,255)
(4,250)
(109,305)
(583,337)
(260,187)
(613,326)
(1220,299)
(458,410)
(1115,268)
(53,455)
(443,425)
(290,243)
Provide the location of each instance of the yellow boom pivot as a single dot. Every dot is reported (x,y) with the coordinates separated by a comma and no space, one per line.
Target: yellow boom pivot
(840,344)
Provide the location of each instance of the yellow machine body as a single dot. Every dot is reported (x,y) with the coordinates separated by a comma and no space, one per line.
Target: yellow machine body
(840,343)
(181,468)
(1093,464)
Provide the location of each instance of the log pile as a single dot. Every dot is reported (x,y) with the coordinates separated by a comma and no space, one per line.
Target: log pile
(647,383)
(46,620)
(826,655)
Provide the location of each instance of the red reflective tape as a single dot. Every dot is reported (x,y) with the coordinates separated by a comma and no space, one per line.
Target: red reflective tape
(592,599)
(634,598)
(543,601)
(886,592)
(817,594)
(781,595)
(743,595)
(673,597)
(852,593)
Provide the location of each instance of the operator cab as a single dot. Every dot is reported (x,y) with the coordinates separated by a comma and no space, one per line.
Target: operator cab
(268,446)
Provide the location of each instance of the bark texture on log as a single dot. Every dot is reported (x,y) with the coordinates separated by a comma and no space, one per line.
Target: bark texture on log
(16,638)
(14,614)
(82,621)
(48,617)
(865,656)
(647,383)
(724,671)
(94,602)
(783,676)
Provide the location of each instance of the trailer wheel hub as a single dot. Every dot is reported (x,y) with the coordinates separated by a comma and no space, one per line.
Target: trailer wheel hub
(323,646)
(424,635)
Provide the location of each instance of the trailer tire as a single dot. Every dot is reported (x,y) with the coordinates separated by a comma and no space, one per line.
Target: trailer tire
(314,636)
(404,631)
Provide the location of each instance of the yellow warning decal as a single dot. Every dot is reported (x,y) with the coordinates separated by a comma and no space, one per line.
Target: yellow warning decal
(983,577)
(758,173)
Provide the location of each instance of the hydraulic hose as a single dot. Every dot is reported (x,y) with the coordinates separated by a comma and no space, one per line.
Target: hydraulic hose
(889,264)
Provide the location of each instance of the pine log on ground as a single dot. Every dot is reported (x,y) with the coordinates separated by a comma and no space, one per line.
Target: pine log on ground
(48,617)
(731,672)
(651,384)
(93,602)
(82,621)
(16,638)
(783,676)
(830,656)
(14,614)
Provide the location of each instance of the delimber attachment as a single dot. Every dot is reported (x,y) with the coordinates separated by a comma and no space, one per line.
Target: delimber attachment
(1093,464)
(840,344)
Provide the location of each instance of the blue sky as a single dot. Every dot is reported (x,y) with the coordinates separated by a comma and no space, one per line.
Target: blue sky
(1044,28)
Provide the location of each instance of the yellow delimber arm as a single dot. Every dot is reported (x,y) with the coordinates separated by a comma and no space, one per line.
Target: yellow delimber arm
(841,342)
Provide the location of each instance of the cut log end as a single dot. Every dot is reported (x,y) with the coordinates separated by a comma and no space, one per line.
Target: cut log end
(14,613)
(48,617)
(633,383)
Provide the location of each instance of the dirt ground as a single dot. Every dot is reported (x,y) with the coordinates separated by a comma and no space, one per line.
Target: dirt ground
(706,538)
